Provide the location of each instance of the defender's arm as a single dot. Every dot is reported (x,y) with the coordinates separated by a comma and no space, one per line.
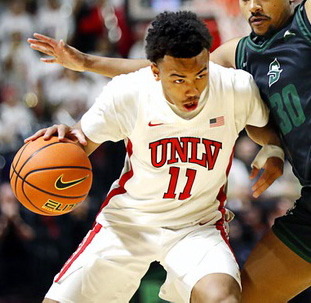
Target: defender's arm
(111,67)
(225,54)
(264,135)
(73,59)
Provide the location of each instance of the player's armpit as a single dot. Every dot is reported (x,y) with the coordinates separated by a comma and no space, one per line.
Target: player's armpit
(225,54)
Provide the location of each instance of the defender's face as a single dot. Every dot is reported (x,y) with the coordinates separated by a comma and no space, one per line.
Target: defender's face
(266,15)
(183,80)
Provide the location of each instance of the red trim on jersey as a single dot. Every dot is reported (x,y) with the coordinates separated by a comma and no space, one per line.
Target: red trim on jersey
(222,197)
(124,178)
(79,251)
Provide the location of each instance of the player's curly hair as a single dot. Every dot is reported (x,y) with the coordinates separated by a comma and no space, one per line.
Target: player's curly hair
(178,34)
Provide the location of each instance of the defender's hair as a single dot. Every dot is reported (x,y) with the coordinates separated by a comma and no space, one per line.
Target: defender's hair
(178,34)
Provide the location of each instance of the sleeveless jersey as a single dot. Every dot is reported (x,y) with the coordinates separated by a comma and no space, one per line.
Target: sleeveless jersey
(281,67)
(175,169)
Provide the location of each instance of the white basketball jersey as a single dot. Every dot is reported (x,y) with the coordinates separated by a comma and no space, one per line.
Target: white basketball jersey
(175,169)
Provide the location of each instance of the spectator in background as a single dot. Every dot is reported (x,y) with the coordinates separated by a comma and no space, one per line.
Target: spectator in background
(254,220)
(137,50)
(19,63)
(239,185)
(90,25)
(16,19)
(245,150)
(15,237)
(68,96)
(239,242)
(55,20)
(16,122)
(281,206)
(231,23)
(69,93)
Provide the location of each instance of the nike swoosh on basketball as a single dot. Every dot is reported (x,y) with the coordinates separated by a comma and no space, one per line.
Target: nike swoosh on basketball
(154,124)
(61,185)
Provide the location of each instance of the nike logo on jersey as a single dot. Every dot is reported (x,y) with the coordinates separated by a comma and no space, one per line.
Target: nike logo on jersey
(154,124)
(61,185)
(274,72)
(288,34)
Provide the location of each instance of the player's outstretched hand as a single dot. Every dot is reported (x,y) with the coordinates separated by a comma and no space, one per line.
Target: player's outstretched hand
(63,131)
(273,169)
(61,52)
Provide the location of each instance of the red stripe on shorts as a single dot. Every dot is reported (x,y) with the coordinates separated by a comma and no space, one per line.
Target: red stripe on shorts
(86,241)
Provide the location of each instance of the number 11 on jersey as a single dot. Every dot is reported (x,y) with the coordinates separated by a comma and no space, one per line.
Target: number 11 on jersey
(186,193)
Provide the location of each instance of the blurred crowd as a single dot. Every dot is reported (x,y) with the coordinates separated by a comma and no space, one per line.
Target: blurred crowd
(34,95)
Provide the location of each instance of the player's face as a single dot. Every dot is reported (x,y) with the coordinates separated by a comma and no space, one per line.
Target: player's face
(266,15)
(183,80)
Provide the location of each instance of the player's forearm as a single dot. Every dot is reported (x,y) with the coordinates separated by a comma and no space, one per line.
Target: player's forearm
(111,67)
(266,135)
(90,146)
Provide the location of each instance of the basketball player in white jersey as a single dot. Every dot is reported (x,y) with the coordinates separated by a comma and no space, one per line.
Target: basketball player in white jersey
(179,118)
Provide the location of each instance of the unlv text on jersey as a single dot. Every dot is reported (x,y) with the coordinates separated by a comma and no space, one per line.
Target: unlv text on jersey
(200,151)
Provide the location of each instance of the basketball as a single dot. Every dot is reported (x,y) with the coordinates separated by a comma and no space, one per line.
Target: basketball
(50,177)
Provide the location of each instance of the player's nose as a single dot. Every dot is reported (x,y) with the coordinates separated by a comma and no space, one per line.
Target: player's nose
(192,91)
(254,6)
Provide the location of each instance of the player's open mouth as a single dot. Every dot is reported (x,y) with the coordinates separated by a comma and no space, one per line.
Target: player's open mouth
(257,21)
(190,106)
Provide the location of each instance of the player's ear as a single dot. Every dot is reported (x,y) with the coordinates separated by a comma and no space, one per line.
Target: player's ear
(155,71)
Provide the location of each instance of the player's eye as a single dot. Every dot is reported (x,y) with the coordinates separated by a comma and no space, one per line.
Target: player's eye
(202,76)
(179,81)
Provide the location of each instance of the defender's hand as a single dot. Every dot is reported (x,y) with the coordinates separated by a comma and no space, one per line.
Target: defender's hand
(63,53)
(63,131)
(273,169)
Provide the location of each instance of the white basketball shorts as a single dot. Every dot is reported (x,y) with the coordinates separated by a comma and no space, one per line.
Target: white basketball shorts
(110,262)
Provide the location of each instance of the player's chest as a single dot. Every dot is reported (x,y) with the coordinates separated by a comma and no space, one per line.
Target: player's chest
(199,144)
(281,75)
(277,68)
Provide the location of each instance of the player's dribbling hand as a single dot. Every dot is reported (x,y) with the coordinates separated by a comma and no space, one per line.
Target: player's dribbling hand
(273,169)
(63,53)
(63,131)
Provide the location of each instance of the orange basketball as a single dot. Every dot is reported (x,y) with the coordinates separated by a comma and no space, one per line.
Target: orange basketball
(51,177)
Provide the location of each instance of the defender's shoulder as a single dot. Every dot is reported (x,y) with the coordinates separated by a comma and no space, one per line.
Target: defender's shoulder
(225,53)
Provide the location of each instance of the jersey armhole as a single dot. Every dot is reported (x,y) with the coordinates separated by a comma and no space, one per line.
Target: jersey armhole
(240,53)
(303,21)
